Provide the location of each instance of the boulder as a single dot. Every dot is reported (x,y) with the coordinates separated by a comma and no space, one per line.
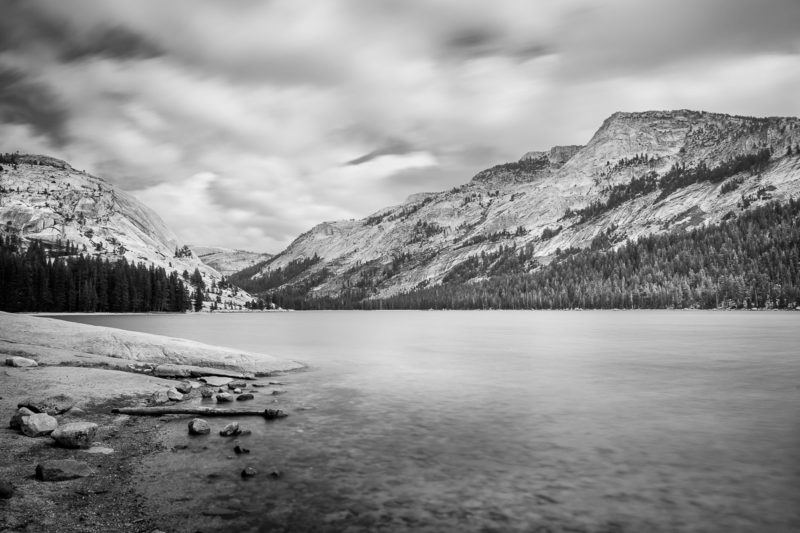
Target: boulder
(243,397)
(231,430)
(224,397)
(216,381)
(20,362)
(174,395)
(62,469)
(184,387)
(75,434)
(249,472)
(52,405)
(237,384)
(38,425)
(6,489)
(159,397)
(16,420)
(198,426)
(171,371)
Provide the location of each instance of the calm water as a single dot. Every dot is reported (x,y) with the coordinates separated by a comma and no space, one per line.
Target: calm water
(499,421)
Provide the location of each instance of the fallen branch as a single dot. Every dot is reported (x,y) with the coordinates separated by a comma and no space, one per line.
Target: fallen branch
(269,414)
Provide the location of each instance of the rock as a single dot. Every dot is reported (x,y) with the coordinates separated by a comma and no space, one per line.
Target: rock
(52,405)
(275,474)
(271,414)
(237,391)
(75,434)
(205,392)
(99,449)
(145,368)
(245,432)
(259,385)
(224,397)
(243,397)
(171,371)
(159,397)
(237,384)
(198,426)
(20,362)
(239,449)
(279,383)
(194,384)
(6,489)
(231,430)
(174,395)
(216,381)
(16,420)
(38,425)
(62,469)
(249,472)
(277,392)
(76,411)
(184,387)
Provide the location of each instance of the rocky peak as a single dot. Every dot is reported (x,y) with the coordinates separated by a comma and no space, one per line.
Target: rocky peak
(556,157)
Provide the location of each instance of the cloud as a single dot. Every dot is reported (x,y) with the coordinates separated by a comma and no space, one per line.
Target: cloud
(245,123)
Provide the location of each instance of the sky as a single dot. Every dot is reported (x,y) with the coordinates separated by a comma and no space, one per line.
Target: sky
(244,123)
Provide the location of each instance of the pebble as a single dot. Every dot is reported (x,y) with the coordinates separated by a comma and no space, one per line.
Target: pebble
(198,426)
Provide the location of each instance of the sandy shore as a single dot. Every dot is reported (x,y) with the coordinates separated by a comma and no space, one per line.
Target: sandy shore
(100,368)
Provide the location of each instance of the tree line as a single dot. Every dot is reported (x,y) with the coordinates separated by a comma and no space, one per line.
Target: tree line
(31,280)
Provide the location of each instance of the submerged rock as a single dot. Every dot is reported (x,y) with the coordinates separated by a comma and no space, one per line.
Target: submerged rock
(278,392)
(249,472)
(75,434)
(239,449)
(216,381)
(243,397)
(62,469)
(198,426)
(275,474)
(20,362)
(16,420)
(38,425)
(52,405)
(224,397)
(231,430)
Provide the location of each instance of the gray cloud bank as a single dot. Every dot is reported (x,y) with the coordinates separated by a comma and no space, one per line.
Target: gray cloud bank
(244,123)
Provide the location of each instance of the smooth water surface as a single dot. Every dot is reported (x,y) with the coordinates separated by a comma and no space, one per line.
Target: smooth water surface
(499,421)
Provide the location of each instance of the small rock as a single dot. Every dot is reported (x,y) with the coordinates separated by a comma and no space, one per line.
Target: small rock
(6,489)
(52,405)
(243,397)
(198,426)
(99,449)
(20,362)
(224,397)
(259,385)
(230,430)
(16,420)
(249,472)
(279,383)
(205,392)
(275,474)
(38,425)
(76,411)
(142,367)
(62,469)
(171,371)
(237,385)
(159,397)
(184,387)
(174,395)
(277,392)
(271,414)
(195,384)
(239,449)
(237,391)
(216,381)
(75,434)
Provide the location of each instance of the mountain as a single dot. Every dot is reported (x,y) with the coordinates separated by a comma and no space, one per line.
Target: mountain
(641,174)
(67,211)
(227,261)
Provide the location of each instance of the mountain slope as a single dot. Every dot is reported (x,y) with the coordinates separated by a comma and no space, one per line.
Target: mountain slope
(46,200)
(640,174)
(228,261)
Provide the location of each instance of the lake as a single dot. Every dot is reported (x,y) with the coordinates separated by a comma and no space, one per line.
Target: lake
(595,421)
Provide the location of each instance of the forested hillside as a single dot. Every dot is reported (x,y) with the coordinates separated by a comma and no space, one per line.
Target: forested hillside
(748,261)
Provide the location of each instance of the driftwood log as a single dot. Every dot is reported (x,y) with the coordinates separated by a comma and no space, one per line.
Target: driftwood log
(269,414)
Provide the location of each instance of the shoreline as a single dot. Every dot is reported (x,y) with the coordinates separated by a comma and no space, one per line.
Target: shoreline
(75,361)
